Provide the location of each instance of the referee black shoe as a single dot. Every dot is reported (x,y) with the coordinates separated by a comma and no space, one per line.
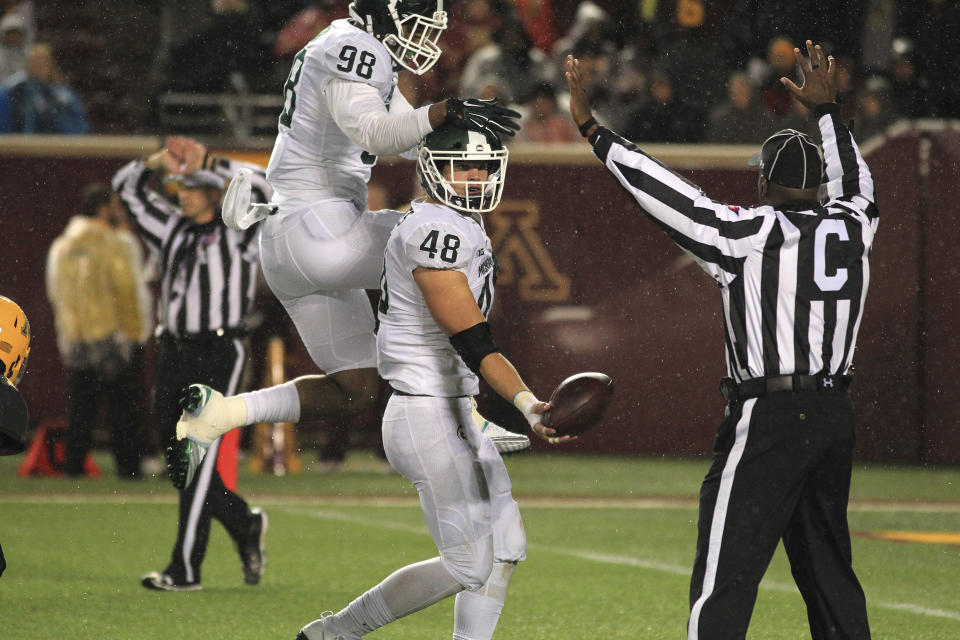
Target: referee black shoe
(252,552)
(159,581)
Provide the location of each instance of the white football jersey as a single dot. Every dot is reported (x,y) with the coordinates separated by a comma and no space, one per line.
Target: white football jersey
(312,158)
(414,354)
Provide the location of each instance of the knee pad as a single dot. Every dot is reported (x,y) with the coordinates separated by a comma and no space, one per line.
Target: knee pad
(470,564)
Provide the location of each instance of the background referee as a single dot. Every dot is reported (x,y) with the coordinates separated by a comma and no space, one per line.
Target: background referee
(206,290)
(793,275)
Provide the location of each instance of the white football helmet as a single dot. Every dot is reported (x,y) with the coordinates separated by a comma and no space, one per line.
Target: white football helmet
(448,145)
(409,29)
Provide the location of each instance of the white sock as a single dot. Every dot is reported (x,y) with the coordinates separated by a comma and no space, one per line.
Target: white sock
(365,614)
(476,613)
(273,404)
(478,419)
(417,586)
(403,592)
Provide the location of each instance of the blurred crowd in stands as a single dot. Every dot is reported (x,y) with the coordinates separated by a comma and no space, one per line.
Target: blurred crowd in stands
(680,71)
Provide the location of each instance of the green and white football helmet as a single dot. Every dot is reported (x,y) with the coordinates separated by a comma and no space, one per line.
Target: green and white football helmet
(448,147)
(409,29)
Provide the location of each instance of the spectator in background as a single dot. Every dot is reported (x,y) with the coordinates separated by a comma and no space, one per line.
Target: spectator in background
(543,120)
(92,285)
(740,119)
(146,270)
(511,60)
(874,108)
(665,118)
(35,101)
(471,29)
(933,26)
(14,45)
(909,97)
(766,74)
(538,21)
(225,53)
(590,24)
(303,27)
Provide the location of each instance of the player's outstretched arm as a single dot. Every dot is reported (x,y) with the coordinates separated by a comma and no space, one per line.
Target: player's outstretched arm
(455,311)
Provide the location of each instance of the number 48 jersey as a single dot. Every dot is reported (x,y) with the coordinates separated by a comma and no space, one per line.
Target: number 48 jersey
(414,354)
(313,159)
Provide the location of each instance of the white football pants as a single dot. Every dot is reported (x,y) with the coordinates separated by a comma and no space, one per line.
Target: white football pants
(464,488)
(318,261)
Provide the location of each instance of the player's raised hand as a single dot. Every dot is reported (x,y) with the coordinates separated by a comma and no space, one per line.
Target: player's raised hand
(478,115)
(579,103)
(188,152)
(819,77)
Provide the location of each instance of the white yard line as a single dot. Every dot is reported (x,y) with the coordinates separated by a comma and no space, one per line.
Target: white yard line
(868,506)
(604,558)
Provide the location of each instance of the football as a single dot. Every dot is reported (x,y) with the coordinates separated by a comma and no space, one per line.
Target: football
(578,403)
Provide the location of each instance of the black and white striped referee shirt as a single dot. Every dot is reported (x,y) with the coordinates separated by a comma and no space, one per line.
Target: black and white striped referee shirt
(209,271)
(793,279)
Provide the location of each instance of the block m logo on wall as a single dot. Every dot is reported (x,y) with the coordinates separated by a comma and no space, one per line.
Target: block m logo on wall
(523,259)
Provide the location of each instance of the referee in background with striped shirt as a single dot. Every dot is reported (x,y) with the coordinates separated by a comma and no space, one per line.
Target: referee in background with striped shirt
(793,274)
(207,287)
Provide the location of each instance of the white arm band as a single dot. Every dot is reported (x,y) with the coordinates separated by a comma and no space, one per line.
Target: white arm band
(359,112)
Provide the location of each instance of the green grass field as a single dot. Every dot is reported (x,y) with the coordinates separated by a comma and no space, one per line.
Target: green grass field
(611,541)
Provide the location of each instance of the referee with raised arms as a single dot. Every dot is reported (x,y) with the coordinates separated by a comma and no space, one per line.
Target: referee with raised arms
(206,290)
(793,275)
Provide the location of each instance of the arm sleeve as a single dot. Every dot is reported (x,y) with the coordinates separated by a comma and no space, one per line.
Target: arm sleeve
(437,245)
(153,215)
(716,235)
(359,112)
(848,177)
(398,106)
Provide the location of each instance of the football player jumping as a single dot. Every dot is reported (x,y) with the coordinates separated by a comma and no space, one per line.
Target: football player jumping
(436,290)
(320,247)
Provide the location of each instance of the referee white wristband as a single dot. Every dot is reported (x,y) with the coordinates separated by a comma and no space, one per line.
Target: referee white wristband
(524,401)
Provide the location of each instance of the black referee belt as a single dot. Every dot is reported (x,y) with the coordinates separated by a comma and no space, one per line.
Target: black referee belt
(757,387)
(206,336)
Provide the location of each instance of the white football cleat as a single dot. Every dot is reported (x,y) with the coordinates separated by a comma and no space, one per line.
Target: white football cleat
(237,212)
(323,629)
(505,441)
(207,415)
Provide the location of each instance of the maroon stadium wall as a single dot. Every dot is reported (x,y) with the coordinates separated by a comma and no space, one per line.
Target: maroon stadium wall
(587,282)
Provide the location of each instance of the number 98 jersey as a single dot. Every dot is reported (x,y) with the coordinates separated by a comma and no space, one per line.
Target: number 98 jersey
(312,157)
(413,353)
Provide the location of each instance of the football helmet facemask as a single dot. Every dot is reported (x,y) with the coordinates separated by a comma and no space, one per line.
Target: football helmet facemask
(441,151)
(409,29)
(14,340)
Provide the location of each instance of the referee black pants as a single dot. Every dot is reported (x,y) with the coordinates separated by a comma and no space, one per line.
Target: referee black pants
(781,470)
(217,362)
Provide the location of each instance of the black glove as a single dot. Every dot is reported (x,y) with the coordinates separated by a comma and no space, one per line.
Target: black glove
(478,115)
